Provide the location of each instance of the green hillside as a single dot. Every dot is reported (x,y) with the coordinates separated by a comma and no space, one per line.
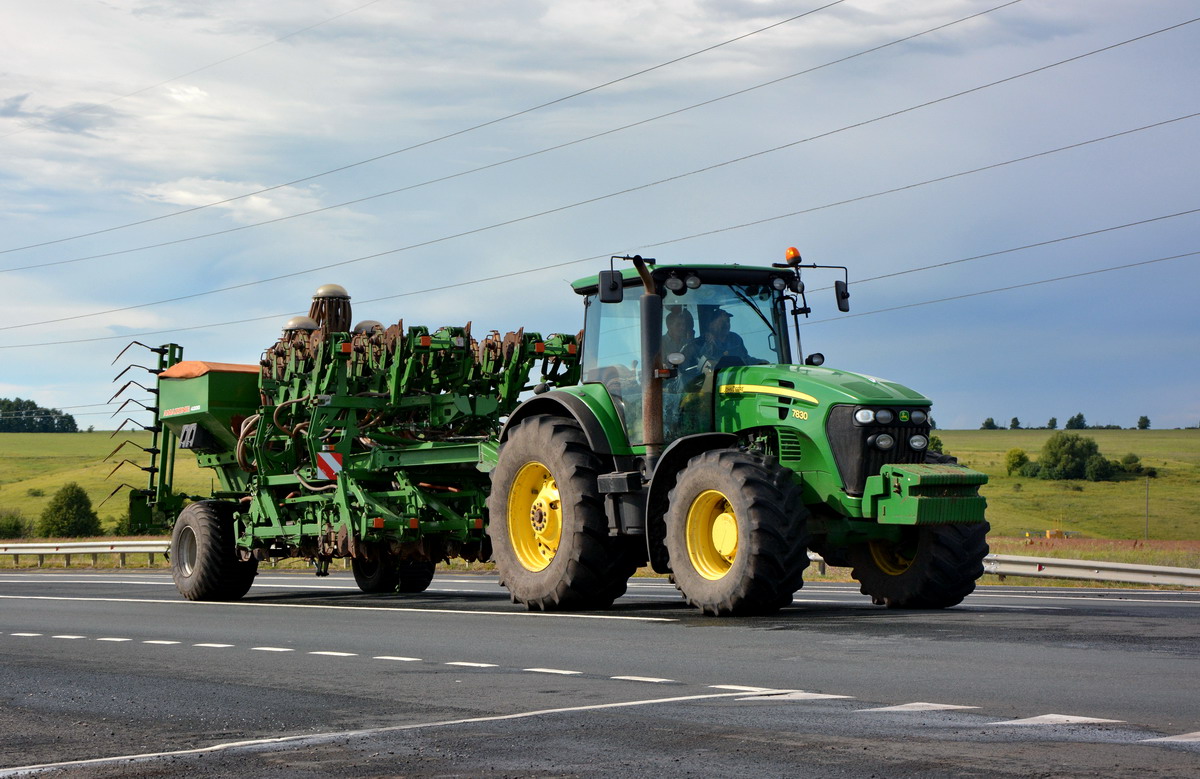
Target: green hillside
(43,462)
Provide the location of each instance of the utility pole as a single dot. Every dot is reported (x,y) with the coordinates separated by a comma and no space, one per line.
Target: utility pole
(1147,508)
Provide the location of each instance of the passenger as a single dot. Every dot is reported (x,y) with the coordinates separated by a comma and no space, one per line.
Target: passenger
(681,333)
(718,340)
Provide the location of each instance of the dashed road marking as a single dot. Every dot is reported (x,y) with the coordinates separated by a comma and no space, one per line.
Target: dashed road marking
(72,638)
(118,640)
(650,679)
(558,671)
(28,635)
(397,659)
(920,706)
(793,695)
(270,649)
(738,688)
(465,664)
(161,642)
(214,646)
(335,654)
(1058,719)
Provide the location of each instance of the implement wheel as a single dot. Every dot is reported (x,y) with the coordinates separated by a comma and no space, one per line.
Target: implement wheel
(415,575)
(379,574)
(204,561)
(930,567)
(548,527)
(736,534)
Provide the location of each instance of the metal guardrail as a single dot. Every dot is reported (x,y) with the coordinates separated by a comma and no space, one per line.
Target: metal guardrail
(998,564)
(91,548)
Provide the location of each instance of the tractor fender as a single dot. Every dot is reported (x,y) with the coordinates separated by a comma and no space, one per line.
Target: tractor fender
(562,404)
(673,460)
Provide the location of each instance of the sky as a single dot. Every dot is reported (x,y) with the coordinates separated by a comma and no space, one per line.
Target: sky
(1005,189)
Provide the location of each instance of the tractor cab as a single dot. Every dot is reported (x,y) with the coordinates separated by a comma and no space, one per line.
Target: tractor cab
(711,317)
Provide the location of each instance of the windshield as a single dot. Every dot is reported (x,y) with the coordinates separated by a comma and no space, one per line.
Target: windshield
(718,324)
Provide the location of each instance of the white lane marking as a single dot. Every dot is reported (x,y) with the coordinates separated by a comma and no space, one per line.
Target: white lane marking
(398,659)
(465,664)
(920,706)
(1092,598)
(1057,719)
(114,639)
(650,679)
(335,654)
(214,646)
(68,637)
(1185,737)
(558,671)
(28,635)
(163,643)
(794,695)
(357,609)
(324,738)
(270,649)
(739,688)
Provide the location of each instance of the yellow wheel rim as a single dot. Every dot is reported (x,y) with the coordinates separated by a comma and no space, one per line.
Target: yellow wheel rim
(889,559)
(534,516)
(712,535)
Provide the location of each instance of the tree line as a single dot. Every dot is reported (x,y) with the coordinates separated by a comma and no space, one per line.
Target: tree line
(1077,422)
(25,416)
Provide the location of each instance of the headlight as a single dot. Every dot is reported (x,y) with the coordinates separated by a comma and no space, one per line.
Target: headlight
(779,284)
(882,441)
(918,442)
(884,416)
(919,417)
(692,281)
(674,283)
(864,416)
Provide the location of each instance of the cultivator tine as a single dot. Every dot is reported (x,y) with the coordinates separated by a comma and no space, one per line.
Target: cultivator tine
(127,420)
(155,371)
(147,449)
(159,350)
(153,409)
(115,491)
(125,386)
(146,468)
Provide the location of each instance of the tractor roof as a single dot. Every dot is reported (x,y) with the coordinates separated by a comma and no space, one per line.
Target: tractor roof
(731,273)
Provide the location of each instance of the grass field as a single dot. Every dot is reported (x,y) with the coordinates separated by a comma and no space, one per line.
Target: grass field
(1107,517)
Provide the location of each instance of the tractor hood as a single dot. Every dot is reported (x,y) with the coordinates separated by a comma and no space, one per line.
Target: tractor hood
(815,387)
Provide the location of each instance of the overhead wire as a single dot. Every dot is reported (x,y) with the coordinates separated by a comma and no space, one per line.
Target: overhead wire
(510,160)
(430,141)
(92,106)
(811,209)
(543,268)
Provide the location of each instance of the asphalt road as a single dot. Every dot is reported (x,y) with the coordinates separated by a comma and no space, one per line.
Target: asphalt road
(113,674)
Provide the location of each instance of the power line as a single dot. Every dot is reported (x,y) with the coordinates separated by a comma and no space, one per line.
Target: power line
(431,141)
(593,258)
(93,106)
(510,160)
(800,212)
(1005,289)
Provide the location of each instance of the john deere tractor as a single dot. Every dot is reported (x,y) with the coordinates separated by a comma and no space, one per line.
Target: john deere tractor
(682,430)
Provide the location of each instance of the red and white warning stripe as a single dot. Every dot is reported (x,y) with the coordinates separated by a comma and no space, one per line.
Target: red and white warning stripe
(329,464)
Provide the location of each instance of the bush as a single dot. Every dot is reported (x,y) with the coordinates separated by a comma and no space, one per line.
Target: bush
(1031,470)
(1131,463)
(1099,468)
(35,492)
(989,424)
(1065,456)
(13,524)
(69,515)
(1015,460)
(935,444)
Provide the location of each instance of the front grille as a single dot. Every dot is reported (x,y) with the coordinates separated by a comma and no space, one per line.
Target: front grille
(856,459)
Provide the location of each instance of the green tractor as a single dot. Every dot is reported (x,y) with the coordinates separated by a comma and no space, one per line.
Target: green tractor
(675,431)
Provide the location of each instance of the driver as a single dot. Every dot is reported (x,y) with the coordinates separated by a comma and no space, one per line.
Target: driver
(681,332)
(718,340)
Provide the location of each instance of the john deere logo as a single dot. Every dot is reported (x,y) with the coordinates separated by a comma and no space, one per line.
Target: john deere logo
(903,416)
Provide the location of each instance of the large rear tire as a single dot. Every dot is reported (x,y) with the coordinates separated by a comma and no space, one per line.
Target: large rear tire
(415,575)
(204,562)
(736,534)
(930,567)
(378,574)
(547,522)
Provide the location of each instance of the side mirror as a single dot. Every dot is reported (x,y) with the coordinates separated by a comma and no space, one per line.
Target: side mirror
(612,288)
(842,290)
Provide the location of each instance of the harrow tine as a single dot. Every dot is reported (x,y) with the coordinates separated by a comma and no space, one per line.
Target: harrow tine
(114,492)
(120,427)
(146,449)
(146,468)
(155,349)
(155,371)
(125,386)
(133,400)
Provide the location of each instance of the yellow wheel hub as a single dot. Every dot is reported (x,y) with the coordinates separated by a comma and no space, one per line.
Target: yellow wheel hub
(534,516)
(889,558)
(712,535)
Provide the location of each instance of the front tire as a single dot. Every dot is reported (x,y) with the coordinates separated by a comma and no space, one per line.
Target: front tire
(378,574)
(930,567)
(547,523)
(204,562)
(736,534)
